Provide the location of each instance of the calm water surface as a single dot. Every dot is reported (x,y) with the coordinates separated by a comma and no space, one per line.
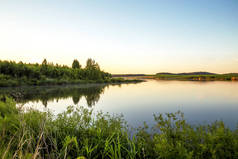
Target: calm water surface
(201,102)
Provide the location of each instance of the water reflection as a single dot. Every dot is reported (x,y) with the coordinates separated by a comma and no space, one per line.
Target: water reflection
(199,101)
(90,92)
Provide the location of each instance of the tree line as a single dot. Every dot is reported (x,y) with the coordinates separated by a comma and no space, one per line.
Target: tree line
(47,70)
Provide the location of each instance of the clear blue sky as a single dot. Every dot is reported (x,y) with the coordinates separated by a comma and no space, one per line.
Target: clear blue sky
(124,36)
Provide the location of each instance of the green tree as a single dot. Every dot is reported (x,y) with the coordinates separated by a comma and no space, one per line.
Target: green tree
(44,62)
(75,64)
(91,64)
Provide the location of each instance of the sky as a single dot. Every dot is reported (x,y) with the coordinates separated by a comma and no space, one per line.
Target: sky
(123,36)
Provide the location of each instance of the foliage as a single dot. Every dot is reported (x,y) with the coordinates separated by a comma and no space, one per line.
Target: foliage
(91,64)
(14,74)
(18,74)
(80,133)
(75,64)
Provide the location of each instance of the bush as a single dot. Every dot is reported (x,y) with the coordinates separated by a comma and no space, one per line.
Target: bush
(79,132)
(48,73)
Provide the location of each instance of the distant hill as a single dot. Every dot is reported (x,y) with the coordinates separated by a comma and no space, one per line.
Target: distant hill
(186,73)
(232,74)
(197,76)
(186,76)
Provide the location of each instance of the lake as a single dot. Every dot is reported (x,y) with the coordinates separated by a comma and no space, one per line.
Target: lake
(201,102)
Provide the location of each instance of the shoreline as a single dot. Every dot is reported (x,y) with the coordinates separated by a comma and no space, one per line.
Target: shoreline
(184,77)
(19,83)
(79,128)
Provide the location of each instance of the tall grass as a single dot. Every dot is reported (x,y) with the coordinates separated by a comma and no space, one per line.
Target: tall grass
(79,133)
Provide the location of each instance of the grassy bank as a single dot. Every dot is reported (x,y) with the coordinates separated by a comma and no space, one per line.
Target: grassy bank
(78,132)
(212,77)
(14,82)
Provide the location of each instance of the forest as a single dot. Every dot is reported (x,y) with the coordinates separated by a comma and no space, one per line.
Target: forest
(47,73)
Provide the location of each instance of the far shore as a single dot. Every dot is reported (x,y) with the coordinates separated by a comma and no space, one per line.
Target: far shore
(181,76)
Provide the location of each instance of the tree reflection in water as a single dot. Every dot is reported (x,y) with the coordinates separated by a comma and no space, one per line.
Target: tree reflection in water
(91,92)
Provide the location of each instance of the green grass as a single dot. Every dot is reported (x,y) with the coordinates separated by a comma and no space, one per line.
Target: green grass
(79,132)
(215,77)
(13,82)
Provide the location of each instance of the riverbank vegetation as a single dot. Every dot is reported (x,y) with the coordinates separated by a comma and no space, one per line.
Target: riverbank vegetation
(197,76)
(193,76)
(81,133)
(19,74)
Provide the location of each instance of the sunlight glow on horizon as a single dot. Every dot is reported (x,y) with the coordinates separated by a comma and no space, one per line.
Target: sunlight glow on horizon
(123,37)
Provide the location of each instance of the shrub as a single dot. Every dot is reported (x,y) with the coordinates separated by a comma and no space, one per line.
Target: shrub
(79,132)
